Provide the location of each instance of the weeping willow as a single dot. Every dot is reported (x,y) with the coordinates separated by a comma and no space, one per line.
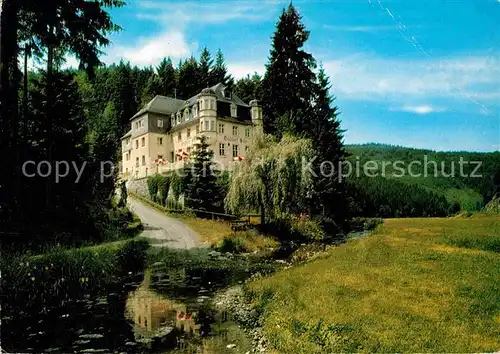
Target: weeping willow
(271,178)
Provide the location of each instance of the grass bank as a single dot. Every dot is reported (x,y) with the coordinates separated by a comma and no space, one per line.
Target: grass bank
(37,281)
(415,285)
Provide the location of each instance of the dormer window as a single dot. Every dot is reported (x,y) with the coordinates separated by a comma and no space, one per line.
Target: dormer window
(195,110)
(178,117)
(172,119)
(234,110)
(226,94)
(186,115)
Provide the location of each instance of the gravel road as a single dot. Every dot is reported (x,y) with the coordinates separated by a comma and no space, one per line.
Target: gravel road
(161,230)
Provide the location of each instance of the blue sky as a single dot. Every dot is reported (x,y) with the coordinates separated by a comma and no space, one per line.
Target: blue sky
(415,73)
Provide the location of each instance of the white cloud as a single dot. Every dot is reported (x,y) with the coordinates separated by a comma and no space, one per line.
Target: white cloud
(175,20)
(150,51)
(360,28)
(214,12)
(469,78)
(421,109)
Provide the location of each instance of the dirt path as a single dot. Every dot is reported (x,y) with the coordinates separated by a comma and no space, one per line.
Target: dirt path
(161,230)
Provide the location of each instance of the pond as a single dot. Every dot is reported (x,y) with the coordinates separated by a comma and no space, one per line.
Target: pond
(162,310)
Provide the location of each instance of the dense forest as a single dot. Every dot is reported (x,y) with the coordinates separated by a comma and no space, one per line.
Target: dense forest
(78,116)
(442,181)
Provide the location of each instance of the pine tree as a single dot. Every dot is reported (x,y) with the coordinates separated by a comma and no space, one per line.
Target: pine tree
(202,189)
(326,135)
(289,80)
(219,72)
(205,67)
(166,76)
(249,88)
(187,81)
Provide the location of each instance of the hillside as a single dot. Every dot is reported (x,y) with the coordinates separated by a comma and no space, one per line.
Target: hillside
(440,173)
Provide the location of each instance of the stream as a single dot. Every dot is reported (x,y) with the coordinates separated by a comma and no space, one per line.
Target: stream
(161,311)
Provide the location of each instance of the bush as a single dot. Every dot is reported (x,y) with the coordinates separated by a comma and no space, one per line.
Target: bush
(232,244)
(131,256)
(295,228)
(163,188)
(362,224)
(153,184)
(306,229)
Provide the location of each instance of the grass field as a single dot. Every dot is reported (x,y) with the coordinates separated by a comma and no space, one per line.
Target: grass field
(214,231)
(415,285)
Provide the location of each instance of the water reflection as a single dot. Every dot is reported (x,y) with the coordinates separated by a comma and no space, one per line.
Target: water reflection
(155,315)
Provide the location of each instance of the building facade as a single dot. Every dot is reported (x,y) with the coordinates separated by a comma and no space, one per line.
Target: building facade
(164,132)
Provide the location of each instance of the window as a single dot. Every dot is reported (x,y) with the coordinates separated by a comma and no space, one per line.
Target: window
(143,141)
(197,129)
(189,133)
(247,132)
(172,119)
(221,128)
(246,148)
(235,130)
(201,126)
(234,110)
(136,162)
(159,141)
(142,122)
(171,156)
(179,136)
(221,149)
(207,126)
(212,126)
(235,150)
(178,117)
(137,143)
(186,115)
(160,123)
(143,160)
(195,110)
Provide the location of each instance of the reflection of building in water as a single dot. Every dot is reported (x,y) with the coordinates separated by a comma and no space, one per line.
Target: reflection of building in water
(158,315)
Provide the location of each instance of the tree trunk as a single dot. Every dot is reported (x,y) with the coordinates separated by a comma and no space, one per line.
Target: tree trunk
(27,48)
(9,104)
(49,111)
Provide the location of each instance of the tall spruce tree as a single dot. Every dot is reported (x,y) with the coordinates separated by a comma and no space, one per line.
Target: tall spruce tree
(205,67)
(219,72)
(288,84)
(202,189)
(166,76)
(187,80)
(326,135)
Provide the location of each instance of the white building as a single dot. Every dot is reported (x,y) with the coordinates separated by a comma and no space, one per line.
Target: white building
(166,130)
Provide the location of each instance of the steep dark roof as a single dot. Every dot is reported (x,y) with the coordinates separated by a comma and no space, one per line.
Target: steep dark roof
(162,105)
(129,133)
(217,90)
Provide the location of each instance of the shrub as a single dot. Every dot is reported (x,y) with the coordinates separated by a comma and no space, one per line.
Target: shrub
(132,255)
(306,229)
(163,188)
(177,185)
(153,183)
(362,224)
(232,244)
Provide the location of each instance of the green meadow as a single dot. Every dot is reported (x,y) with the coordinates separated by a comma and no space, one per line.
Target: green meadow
(414,285)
